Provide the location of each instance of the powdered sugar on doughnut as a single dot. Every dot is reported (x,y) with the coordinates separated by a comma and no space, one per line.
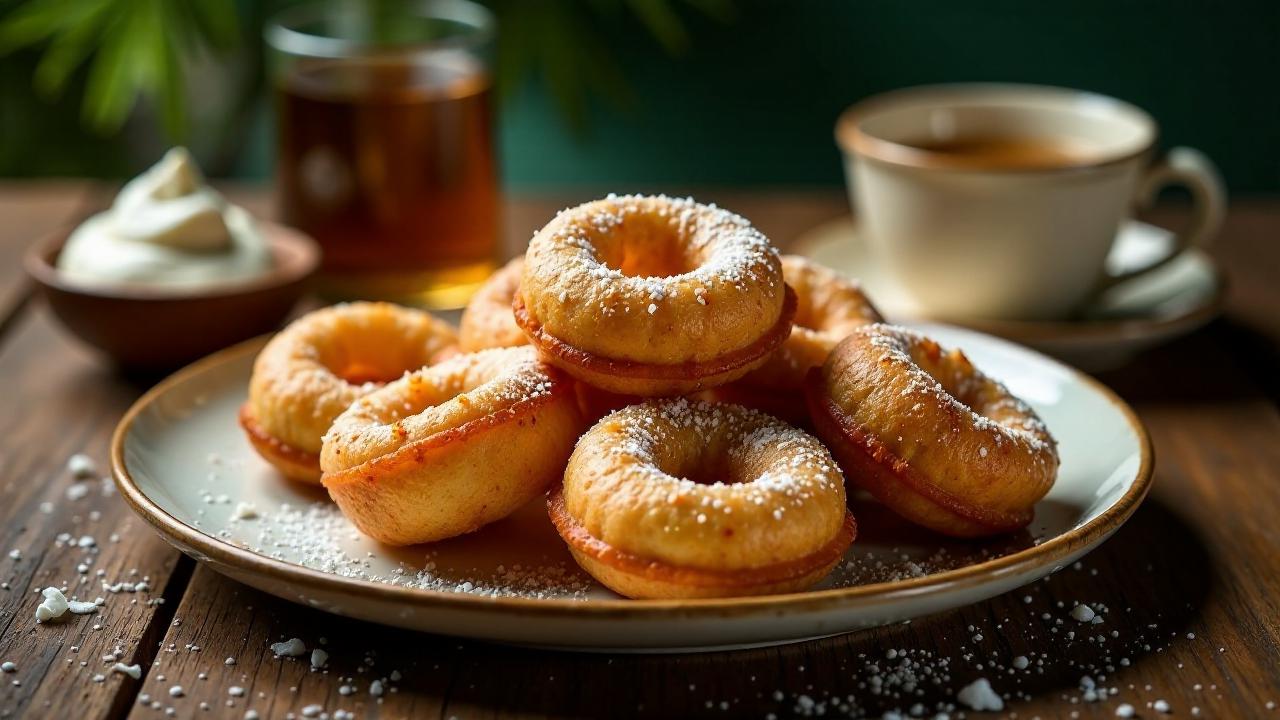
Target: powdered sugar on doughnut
(808,467)
(1017,422)
(742,253)
(686,481)
(652,279)
(432,400)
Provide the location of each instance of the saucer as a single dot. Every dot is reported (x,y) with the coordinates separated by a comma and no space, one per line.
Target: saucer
(1131,317)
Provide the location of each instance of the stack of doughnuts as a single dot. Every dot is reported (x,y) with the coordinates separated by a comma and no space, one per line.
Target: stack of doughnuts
(648,363)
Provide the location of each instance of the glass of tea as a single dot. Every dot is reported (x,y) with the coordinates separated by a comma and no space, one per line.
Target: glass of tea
(385,144)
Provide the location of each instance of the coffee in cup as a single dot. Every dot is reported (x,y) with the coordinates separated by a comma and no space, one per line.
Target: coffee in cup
(992,201)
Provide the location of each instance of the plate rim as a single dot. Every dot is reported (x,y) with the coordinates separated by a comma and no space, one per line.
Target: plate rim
(1058,330)
(182,535)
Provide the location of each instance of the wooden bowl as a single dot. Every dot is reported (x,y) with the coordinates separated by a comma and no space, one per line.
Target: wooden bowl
(149,329)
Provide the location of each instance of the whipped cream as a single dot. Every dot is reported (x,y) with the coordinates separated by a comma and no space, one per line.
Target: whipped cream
(167,228)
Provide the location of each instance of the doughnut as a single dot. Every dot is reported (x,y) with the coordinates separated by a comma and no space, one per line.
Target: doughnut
(681,498)
(653,296)
(930,436)
(487,321)
(450,448)
(321,363)
(829,306)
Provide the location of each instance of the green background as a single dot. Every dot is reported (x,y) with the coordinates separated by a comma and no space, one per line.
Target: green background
(753,99)
(755,102)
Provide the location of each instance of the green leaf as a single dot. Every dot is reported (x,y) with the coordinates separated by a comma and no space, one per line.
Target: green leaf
(560,42)
(69,48)
(134,49)
(170,88)
(110,90)
(32,23)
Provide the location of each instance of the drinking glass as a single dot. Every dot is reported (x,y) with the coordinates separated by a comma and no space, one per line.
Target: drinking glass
(385,150)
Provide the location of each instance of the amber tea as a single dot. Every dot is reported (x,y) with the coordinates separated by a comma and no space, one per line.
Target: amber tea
(389,165)
(386,153)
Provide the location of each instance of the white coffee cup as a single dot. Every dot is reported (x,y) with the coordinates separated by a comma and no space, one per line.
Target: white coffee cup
(1002,201)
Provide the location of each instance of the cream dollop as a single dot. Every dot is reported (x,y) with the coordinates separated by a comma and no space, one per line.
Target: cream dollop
(167,228)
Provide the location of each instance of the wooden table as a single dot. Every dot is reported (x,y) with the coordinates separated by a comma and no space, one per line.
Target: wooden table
(1192,582)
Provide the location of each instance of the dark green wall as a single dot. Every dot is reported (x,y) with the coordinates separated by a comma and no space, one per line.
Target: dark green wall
(754,100)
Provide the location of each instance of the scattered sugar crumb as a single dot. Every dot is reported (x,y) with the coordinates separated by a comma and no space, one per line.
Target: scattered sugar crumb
(292,647)
(53,606)
(978,695)
(82,466)
(1083,613)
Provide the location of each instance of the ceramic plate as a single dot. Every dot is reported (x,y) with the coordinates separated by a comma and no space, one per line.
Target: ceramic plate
(1127,319)
(181,461)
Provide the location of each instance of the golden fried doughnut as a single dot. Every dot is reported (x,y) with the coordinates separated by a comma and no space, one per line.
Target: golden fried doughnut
(929,435)
(653,295)
(682,498)
(321,363)
(487,322)
(450,448)
(829,306)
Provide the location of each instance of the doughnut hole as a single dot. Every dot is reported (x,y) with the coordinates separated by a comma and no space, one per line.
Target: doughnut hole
(645,245)
(718,459)
(378,353)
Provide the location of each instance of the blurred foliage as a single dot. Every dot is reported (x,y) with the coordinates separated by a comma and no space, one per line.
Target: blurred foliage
(133,52)
(133,48)
(562,43)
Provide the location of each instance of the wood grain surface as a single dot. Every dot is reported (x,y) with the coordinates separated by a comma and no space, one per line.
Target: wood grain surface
(1189,586)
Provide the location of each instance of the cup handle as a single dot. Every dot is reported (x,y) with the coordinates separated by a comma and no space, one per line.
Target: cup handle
(1192,169)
